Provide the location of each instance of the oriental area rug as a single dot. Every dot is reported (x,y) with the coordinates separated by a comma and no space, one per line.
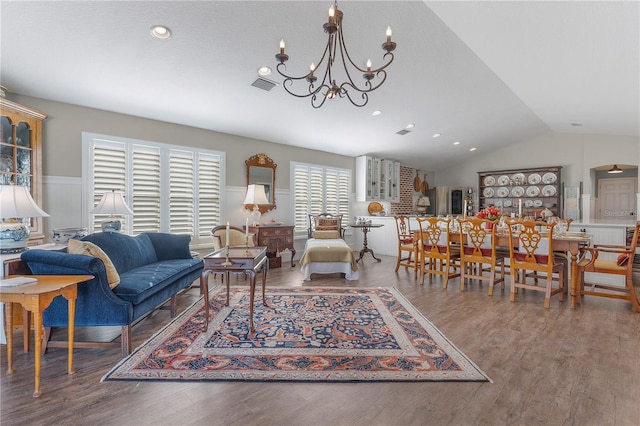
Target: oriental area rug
(303,334)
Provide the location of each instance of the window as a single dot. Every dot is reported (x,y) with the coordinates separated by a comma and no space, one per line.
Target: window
(169,188)
(318,189)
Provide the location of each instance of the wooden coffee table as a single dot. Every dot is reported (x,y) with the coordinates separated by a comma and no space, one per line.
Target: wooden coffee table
(35,298)
(247,260)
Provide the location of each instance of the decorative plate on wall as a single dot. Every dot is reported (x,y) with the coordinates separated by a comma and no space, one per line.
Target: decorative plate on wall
(549,178)
(533,191)
(488,192)
(503,192)
(534,179)
(517,191)
(519,178)
(503,180)
(489,181)
(549,191)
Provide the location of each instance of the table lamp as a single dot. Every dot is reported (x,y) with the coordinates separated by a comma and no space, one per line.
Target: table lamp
(255,195)
(112,204)
(15,205)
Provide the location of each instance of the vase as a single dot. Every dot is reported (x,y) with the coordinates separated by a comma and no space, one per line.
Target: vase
(63,235)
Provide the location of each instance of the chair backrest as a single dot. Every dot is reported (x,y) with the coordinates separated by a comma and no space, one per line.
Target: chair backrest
(434,236)
(237,237)
(633,245)
(326,223)
(404,229)
(534,244)
(479,236)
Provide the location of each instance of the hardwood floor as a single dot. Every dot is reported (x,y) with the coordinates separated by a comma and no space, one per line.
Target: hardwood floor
(558,366)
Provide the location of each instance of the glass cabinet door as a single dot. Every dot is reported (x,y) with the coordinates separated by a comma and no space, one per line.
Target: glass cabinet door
(20,152)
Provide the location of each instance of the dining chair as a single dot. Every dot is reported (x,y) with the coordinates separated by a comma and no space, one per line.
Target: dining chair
(622,266)
(436,254)
(478,252)
(531,249)
(561,227)
(406,248)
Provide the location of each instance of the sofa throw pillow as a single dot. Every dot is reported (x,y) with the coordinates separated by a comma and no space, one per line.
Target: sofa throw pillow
(623,259)
(170,246)
(327,224)
(89,249)
(326,235)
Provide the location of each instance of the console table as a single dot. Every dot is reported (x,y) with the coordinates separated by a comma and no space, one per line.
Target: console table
(275,238)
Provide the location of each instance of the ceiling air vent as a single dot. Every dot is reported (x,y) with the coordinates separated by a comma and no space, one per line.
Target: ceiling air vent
(403,132)
(264,84)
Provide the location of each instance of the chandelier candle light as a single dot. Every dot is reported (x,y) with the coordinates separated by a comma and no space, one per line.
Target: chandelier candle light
(227,262)
(337,49)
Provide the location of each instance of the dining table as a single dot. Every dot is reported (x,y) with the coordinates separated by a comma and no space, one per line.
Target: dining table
(570,243)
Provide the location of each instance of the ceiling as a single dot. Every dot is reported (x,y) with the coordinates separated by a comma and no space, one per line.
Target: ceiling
(486,74)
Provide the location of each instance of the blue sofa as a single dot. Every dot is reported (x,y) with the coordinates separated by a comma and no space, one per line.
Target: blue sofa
(153,269)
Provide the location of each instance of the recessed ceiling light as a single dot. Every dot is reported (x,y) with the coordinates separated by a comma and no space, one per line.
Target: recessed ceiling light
(576,124)
(264,71)
(376,113)
(472,149)
(160,31)
(410,126)
(456,143)
(436,135)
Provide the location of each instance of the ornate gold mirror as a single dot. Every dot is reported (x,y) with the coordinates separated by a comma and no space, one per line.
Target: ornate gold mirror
(261,170)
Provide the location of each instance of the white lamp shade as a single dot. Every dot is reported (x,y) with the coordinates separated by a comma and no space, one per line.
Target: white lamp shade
(112,203)
(255,195)
(427,202)
(16,202)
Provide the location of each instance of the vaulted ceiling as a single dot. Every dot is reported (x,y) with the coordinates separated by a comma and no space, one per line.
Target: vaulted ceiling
(484,73)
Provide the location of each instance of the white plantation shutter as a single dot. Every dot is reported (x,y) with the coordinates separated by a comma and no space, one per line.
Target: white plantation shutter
(319,189)
(169,188)
(181,192)
(146,190)
(110,173)
(208,194)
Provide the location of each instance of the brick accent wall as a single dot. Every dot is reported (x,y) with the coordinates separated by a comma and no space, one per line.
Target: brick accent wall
(407,175)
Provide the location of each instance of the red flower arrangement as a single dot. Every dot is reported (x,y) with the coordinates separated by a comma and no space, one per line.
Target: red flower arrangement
(491,213)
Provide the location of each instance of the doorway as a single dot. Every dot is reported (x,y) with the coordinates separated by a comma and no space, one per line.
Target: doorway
(617,198)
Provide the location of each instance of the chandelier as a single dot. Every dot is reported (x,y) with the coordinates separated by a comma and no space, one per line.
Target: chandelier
(336,49)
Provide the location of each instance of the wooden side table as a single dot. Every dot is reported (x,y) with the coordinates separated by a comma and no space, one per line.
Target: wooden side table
(275,238)
(365,228)
(247,260)
(35,298)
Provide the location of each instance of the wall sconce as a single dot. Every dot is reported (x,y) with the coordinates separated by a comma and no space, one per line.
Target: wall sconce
(255,195)
(112,204)
(15,205)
